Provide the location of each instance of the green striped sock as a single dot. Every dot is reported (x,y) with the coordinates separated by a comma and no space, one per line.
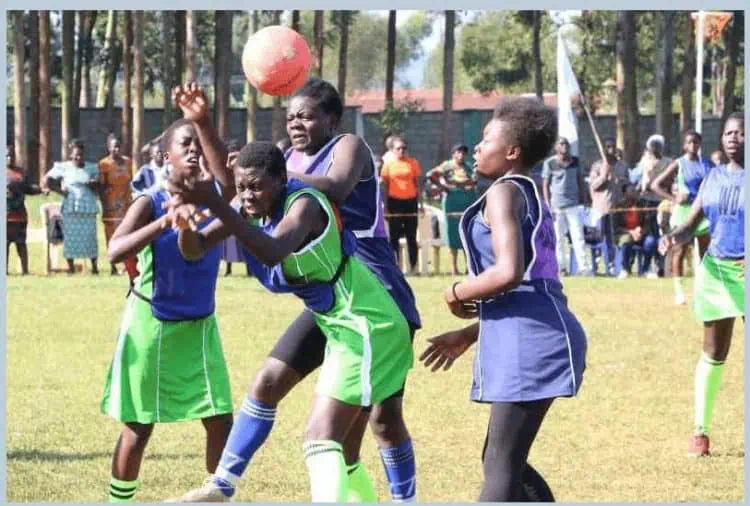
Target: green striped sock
(361,489)
(327,469)
(121,490)
(707,381)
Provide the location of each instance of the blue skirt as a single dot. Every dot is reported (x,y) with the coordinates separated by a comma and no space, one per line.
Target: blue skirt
(530,347)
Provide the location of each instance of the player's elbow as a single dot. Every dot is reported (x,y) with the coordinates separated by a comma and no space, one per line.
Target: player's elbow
(506,277)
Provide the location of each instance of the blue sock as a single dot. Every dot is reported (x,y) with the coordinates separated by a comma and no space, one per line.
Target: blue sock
(252,424)
(400,469)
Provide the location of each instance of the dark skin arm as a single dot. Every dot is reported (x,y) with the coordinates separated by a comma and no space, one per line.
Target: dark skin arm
(665,179)
(685,232)
(545,190)
(444,349)
(351,163)
(504,211)
(136,231)
(598,179)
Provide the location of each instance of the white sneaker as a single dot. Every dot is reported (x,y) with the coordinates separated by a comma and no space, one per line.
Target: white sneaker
(208,492)
(623,274)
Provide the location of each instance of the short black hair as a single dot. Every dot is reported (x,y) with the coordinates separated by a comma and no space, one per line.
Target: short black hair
(76,143)
(324,94)
(166,139)
(263,155)
(736,115)
(687,133)
(532,126)
(234,145)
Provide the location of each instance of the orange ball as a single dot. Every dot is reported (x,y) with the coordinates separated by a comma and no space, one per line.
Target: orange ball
(276,60)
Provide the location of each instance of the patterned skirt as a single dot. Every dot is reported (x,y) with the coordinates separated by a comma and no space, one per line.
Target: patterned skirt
(79,236)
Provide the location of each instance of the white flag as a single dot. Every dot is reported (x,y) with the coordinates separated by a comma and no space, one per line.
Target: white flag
(567,89)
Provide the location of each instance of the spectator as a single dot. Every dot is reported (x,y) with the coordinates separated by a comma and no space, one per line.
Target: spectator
(151,174)
(388,155)
(400,179)
(652,163)
(607,180)
(115,176)
(77,181)
(564,192)
(17,187)
(633,230)
(456,180)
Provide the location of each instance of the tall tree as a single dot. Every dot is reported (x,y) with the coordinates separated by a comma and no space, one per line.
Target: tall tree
(627,96)
(319,31)
(251,94)
(446,119)
(223,50)
(78,72)
(167,80)
(86,98)
(45,92)
(390,58)
(295,20)
(343,19)
(138,65)
(68,34)
(190,43)
(126,120)
(536,53)
(733,37)
(663,71)
(19,89)
(32,132)
(107,71)
(688,74)
(179,45)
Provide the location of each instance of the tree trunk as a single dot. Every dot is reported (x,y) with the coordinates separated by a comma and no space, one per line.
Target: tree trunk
(138,65)
(179,45)
(627,97)
(446,119)
(536,51)
(295,21)
(32,141)
(278,130)
(78,66)
(733,37)
(318,30)
(390,66)
(86,99)
(168,81)
(19,90)
(126,118)
(68,34)
(223,49)
(663,73)
(344,21)
(107,69)
(251,94)
(190,41)
(45,92)
(688,75)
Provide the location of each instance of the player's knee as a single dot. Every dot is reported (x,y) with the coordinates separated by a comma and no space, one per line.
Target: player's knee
(137,434)
(387,423)
(273,382)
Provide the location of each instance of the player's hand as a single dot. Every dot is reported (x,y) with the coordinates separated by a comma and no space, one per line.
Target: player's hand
(182,216)
(665,244)
(191,100)
(444,349)
(200,192)
(462,309)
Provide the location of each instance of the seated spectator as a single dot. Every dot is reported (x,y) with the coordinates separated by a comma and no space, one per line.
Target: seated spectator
(633,230)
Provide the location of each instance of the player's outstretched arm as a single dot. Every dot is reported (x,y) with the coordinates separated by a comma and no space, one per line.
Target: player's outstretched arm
(136,231)
(658,184)
(685,232)
(352,159)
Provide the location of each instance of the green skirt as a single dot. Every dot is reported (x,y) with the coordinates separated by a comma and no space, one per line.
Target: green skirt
(166,371)
(680,214)
(719,289)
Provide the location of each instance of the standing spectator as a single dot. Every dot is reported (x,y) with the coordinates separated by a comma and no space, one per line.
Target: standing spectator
(607,180)
(17,187)
(456,180)
(115,176)
(150,174)
(633,230)
(400,179)
(77,181)
(564,192)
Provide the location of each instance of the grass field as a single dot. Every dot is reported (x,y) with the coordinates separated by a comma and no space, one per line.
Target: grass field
(623,439)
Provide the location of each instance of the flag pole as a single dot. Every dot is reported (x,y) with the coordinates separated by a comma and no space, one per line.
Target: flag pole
(699,72)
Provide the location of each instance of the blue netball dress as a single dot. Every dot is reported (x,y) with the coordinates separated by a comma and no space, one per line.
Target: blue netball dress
(530,345)
(362,213)
(723,200)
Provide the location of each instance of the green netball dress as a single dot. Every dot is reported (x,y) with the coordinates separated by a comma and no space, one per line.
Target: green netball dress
(368,351)
(168,364)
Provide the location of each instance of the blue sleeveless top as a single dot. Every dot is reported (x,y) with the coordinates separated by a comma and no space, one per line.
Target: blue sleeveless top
(723,198)
(182,290)
(362,214)
(318,297)
(537,230)
(692,174)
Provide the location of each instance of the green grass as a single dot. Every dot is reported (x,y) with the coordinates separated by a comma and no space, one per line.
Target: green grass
(623,439)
